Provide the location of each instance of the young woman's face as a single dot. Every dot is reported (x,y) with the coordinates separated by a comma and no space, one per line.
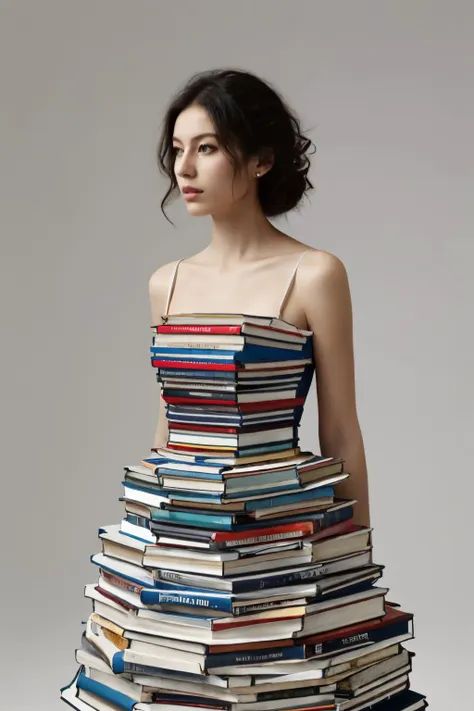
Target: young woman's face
(200,163)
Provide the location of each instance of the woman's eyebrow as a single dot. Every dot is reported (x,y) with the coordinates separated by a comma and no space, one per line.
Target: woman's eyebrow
(196,138)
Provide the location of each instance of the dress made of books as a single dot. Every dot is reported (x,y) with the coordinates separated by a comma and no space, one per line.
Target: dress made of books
(236,579)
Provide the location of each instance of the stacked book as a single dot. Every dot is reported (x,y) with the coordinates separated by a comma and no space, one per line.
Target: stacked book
(237,580)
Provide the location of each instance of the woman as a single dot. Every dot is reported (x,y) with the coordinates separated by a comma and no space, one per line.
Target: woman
(230,135)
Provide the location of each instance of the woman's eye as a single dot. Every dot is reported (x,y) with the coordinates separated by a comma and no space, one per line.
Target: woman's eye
(175,149)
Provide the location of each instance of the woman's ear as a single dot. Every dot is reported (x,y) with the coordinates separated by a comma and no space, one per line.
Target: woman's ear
(266,160)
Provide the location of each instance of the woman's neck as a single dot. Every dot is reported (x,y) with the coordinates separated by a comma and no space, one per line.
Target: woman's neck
(244,241)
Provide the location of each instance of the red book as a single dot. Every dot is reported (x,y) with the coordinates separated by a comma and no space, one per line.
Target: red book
(230,430)
(243,406)
(108,595)
(206,328)
(392,616)
(120,582)
(243,622)
(264,535)
(193,364)
(197,328)
(205,365)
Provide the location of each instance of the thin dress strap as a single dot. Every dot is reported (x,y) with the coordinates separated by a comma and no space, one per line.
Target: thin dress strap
(291,282)
(172,285)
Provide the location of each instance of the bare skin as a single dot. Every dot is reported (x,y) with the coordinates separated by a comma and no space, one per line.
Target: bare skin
(245,269)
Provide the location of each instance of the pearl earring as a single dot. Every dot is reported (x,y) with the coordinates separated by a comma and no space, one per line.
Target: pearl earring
(258,175)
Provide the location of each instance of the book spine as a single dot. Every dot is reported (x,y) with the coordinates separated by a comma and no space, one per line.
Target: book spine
(277,581)
(265,535)
(177,495)
(262,406)
(176,700)
(239,353)
(218,375)
(249,585)
(138,668)
(198,328)
(270,501)
(205,350)
(368,637)
(187,598)
(122,583)
(320,519)
(224,523)
(193,364)
(191,475)
(113,598)
(262,606)
(328,518)
(350,587)
(295,693)
(258,656)
(189,428)
(199,394)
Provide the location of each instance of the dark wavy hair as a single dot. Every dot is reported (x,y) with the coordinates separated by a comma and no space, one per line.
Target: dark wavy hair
(250,115)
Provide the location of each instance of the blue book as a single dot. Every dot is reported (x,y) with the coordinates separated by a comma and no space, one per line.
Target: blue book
(211,497)
(162,595)
(272,476)
(256,504)
(162,463)
(194,374)
(320,492)
(215,476)
(299,575)
(221,523)
(177,495)
(354,582)
(226,377)
(230,416)
(182,596)
(249,353)
(201,458)
(229,420)
(105,692)
(257,656)
(246,344)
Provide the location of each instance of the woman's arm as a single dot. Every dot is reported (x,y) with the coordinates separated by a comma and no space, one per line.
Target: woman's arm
(327,304)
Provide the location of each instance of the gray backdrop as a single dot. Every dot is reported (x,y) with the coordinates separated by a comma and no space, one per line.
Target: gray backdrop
(386,88)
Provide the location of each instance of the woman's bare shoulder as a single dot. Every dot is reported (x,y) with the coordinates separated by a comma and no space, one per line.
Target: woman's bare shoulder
(322,278)
(318,263)
(160,280)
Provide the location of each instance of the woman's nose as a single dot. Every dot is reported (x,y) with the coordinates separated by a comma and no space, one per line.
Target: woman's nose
(186,165)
